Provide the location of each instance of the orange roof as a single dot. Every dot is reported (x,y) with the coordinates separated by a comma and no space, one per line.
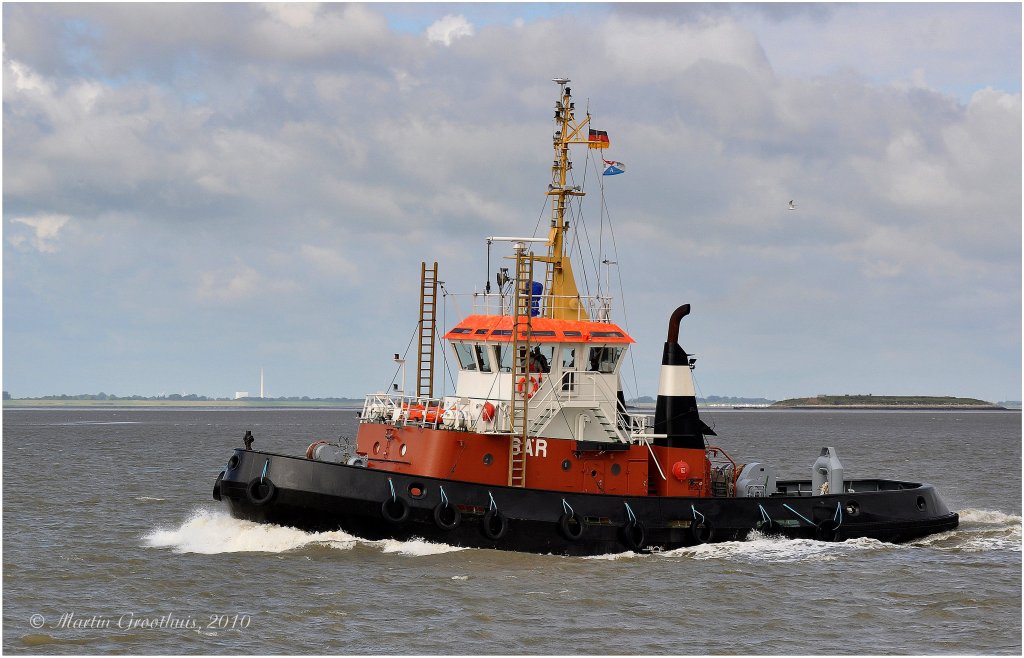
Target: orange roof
(493,328)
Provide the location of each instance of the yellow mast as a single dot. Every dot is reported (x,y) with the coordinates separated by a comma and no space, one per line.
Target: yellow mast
(565,302)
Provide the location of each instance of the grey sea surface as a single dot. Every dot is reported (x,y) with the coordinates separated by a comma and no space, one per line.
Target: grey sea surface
(112,544)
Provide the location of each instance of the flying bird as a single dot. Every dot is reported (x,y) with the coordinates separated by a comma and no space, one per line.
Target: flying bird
(792,206)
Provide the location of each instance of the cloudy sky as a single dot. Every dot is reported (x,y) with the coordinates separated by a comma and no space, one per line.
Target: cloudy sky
(194,191)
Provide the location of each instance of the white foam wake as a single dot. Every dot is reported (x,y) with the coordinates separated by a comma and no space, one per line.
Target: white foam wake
(979,531)
(989,517)
(763,548)
(215,531)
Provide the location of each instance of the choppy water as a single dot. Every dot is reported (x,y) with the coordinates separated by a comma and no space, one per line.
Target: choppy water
(111,539)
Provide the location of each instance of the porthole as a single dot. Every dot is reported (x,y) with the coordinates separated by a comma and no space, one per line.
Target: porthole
(852,508)
(403,449)
(922,504)
(616,469)
(233,462)
(376,448)
(417,490)
(566,465)
(593,472)
(488,458)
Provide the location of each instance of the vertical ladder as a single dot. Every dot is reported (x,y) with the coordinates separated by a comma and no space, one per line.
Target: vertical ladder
(521,387)
(428,317)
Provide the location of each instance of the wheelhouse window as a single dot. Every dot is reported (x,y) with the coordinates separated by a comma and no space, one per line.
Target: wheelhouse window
(604,359)
(504,353)
(541,358)
(472,356)
(568,358)
(483,362)
(464,352)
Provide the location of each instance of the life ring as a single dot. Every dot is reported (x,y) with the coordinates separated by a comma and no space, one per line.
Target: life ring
(495,525)
(703,532)
(216,486)
(312,448)
(488,412)
(534,385)
(394,509)
(634,535)
(827,530)
(260,491)
(571,526)
(447,516)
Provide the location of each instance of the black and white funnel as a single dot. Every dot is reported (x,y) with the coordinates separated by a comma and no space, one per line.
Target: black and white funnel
(676,414)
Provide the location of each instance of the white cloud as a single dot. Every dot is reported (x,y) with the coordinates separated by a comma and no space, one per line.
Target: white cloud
(329,261)
(448,29)
(240,283)
(45,230)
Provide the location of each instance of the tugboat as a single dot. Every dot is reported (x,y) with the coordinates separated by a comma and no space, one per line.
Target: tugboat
(536,450)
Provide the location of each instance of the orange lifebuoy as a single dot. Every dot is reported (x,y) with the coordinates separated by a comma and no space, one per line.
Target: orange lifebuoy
(534,385)
(488,412)
(312,448)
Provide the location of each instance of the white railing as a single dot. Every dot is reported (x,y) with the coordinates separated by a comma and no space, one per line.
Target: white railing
(402,410)
(597,307)
(586,387)
(637,426)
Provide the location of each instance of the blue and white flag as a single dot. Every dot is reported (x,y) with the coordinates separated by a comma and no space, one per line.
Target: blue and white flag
(612,167)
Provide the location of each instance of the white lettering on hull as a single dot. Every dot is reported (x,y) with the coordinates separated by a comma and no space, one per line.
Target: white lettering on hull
(534,447)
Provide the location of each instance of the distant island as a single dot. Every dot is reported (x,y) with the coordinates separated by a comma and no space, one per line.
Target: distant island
(884,402)
(712,401)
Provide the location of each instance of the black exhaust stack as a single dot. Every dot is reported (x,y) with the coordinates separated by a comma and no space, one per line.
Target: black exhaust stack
(676,414)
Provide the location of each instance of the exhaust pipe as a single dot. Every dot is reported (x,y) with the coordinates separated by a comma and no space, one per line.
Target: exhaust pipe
(676,412)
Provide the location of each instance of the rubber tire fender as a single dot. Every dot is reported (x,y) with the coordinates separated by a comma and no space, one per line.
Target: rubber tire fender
(253,486)
(634,535)
(768,527)
(490,518)
(446,525)
(702,532)
(565,525)
(216,486)
(387,512)
(827,530)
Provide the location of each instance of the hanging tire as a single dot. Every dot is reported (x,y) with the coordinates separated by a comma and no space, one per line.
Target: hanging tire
(702,532)
(768,527)
(394,509)
(827,530)
(495,525)
(216,486)
(447,517)
(634,535)
(260,491)
(571,526)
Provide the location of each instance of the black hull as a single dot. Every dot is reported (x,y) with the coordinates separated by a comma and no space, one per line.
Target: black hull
(374,504)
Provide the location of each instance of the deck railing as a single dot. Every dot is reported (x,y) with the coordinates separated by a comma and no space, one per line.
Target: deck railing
(596,308)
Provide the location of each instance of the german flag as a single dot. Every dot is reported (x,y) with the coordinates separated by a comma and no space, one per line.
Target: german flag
(598,139)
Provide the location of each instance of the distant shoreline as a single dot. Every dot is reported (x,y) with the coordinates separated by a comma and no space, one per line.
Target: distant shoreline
(225,404)
(883,402)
